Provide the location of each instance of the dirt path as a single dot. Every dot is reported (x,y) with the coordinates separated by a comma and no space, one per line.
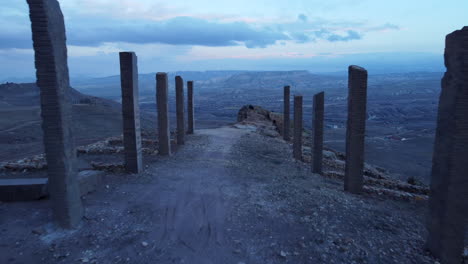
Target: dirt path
(228,196)
(191,201)
(176,211)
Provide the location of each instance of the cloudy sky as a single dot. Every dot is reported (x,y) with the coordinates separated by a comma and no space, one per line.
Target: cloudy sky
(315,35)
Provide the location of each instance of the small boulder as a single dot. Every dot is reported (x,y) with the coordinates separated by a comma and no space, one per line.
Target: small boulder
(329,155)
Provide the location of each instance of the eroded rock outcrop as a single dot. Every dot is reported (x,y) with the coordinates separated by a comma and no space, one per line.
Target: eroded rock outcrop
(266,122)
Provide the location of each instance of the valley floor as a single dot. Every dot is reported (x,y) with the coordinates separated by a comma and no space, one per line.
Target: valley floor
(228,196)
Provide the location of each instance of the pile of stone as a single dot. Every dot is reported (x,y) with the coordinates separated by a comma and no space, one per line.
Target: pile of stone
(118,141)
(101,147)
(112,145)
(376,180)
(34,163)
(110,167)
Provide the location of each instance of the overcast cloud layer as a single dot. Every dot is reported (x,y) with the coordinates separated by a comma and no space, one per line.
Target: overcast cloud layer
(203,34)
(186,30)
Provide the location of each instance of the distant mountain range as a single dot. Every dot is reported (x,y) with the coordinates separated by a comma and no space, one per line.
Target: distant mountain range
(109,87)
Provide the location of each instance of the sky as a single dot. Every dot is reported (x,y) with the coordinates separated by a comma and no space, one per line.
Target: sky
(315,35)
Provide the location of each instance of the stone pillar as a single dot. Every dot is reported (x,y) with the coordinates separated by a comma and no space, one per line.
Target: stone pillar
(163,114)
(190,108)
(297,143)
(130,112)
(49,41)
(317,132)
(180,110)
(356,128)
(286,113)
(448,202)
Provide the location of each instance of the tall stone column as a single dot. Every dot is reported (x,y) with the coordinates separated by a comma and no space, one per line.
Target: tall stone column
(297,141)
(356,128)
(317,132)
(448,202)
(190,108)
(130,112)
(180,110)
(49,41)
(286,113)
(162,95)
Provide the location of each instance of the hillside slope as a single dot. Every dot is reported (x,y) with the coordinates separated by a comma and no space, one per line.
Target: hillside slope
(20,122)
(230,195)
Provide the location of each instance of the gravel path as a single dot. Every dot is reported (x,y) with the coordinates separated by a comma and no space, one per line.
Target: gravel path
(228,196)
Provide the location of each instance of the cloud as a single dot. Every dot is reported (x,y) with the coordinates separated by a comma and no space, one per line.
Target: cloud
(384,27)
(175,31)
(301,37)
(95,31)
(302,17)
(350,35)
(181,31)
(16,31)
(331,36)
(12,41)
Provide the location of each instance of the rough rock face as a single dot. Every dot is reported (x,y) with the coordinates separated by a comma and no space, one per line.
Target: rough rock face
(257,114)
(448,206)
(270,123)
(252,113)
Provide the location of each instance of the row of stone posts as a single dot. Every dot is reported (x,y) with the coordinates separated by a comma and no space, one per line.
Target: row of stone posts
(355,131)
(131,116)
(317,127)
(49,42)
(448,202)
(162,104)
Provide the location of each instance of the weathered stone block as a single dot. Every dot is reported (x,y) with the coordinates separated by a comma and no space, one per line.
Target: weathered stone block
(190,108)
(130,112)
(448,202)
(163,114)
(297,141)
(356,128)
(89,181)
(317,132)
(180,110)
(286,112)
(14,190)
(50,50)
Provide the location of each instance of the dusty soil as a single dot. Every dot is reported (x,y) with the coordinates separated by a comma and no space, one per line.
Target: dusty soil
(228,196)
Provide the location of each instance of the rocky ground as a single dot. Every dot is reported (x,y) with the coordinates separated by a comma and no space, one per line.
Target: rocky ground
(230,195)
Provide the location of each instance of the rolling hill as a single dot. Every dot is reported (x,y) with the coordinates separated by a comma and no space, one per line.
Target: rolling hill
(20,122)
